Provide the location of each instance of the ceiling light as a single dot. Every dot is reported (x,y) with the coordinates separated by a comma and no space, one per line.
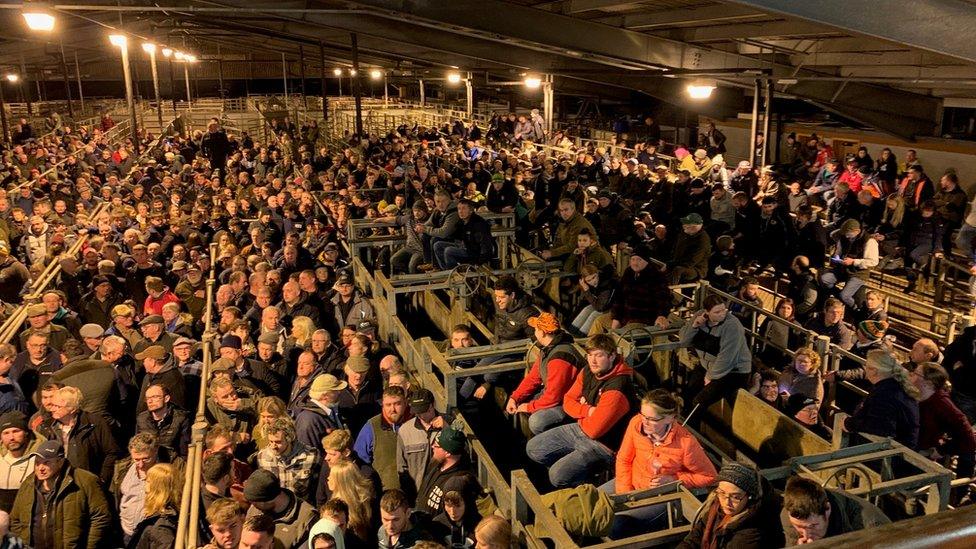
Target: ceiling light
(190,58)
(167,52)
(454,78)
(118,40)
(39,20)
(352,72)
(700,91)
(149,47)
(337,72)
(179,56)
(12,77)
(532,82)
(376,74)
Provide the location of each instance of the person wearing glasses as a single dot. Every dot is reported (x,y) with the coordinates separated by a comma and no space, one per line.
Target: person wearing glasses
(656,450)
(742,511)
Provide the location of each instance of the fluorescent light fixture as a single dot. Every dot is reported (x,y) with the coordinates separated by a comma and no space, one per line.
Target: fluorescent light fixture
(190,58)
(532,82)
(39,20)
(376,74)
(787,81)
(179,56)
(118,40)
(337,72)
(700,91)
(454,78)
(167,52)
(149,47)
(12,77)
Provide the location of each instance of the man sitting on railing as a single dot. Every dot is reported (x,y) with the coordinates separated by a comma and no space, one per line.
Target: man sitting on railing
(474,242)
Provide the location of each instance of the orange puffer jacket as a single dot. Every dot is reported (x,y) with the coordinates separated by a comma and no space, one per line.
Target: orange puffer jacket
(679,455)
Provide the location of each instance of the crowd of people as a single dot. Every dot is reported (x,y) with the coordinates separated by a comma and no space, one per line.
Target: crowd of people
(319,436)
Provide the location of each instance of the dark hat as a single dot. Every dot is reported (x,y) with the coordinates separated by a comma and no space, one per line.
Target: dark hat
(797,402)
(744,477)
(605,193)
(49,449)
(157,352)
(692,219)
(151,319)
(262,486)
(232,341)
(366,326)
(344,279)
(697,183)
(452,440)
(13,420)
(420,401)
(642,251)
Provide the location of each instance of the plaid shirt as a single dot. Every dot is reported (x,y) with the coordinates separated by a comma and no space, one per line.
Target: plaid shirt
(296,471)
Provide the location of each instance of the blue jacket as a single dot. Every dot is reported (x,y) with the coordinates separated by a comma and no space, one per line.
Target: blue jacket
(887,411)
(312,423)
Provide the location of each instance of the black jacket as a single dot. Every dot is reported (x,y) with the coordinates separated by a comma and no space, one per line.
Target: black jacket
(475,233)
(887,411)
(645,297)
(172,432)
(91,445)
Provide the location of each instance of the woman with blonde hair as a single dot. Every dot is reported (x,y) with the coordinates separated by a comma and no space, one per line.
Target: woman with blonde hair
(348,484)
(889,231)
(804,376)
(493,532)
(891,407)
(269,409)
(302,329)
(161,508)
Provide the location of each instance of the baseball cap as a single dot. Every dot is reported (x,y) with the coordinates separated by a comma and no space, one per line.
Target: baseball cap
(49,449)
(420,401)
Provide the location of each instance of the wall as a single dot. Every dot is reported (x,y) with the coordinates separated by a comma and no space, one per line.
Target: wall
(934,154)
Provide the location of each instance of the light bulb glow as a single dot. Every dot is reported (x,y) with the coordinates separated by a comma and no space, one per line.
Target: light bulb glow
(190,58)
(337,72)
(179,55)
(532,82)
(149,47)
(696,91)
(352,72)
(376,74)
(39,21)
(167,52)
(454,78)
(12,77)
(118,40)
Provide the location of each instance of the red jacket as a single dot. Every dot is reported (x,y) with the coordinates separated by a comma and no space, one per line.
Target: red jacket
(939,417)
(560,372)
(155,306)
(679,455)
(598,418)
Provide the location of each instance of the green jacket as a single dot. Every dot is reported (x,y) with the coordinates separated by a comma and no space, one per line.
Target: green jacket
(566,234)
(81,512)
(584,511)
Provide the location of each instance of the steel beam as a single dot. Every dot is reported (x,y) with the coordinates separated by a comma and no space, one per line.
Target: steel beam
(685,16)
(898,112)
(940,26)
(738,31)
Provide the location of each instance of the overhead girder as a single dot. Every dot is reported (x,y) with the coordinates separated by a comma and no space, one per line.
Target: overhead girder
(895,111)
(939,26)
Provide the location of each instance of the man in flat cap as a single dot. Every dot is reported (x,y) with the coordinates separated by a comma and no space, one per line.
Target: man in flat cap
(154,333)
(40,323)
(160,370)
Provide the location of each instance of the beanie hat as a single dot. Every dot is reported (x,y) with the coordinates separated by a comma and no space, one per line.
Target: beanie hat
(262,486)
(13,420)
(742,476)
(875,329)
(451,440)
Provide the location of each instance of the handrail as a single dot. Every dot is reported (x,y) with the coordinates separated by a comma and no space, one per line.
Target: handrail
(188,523)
